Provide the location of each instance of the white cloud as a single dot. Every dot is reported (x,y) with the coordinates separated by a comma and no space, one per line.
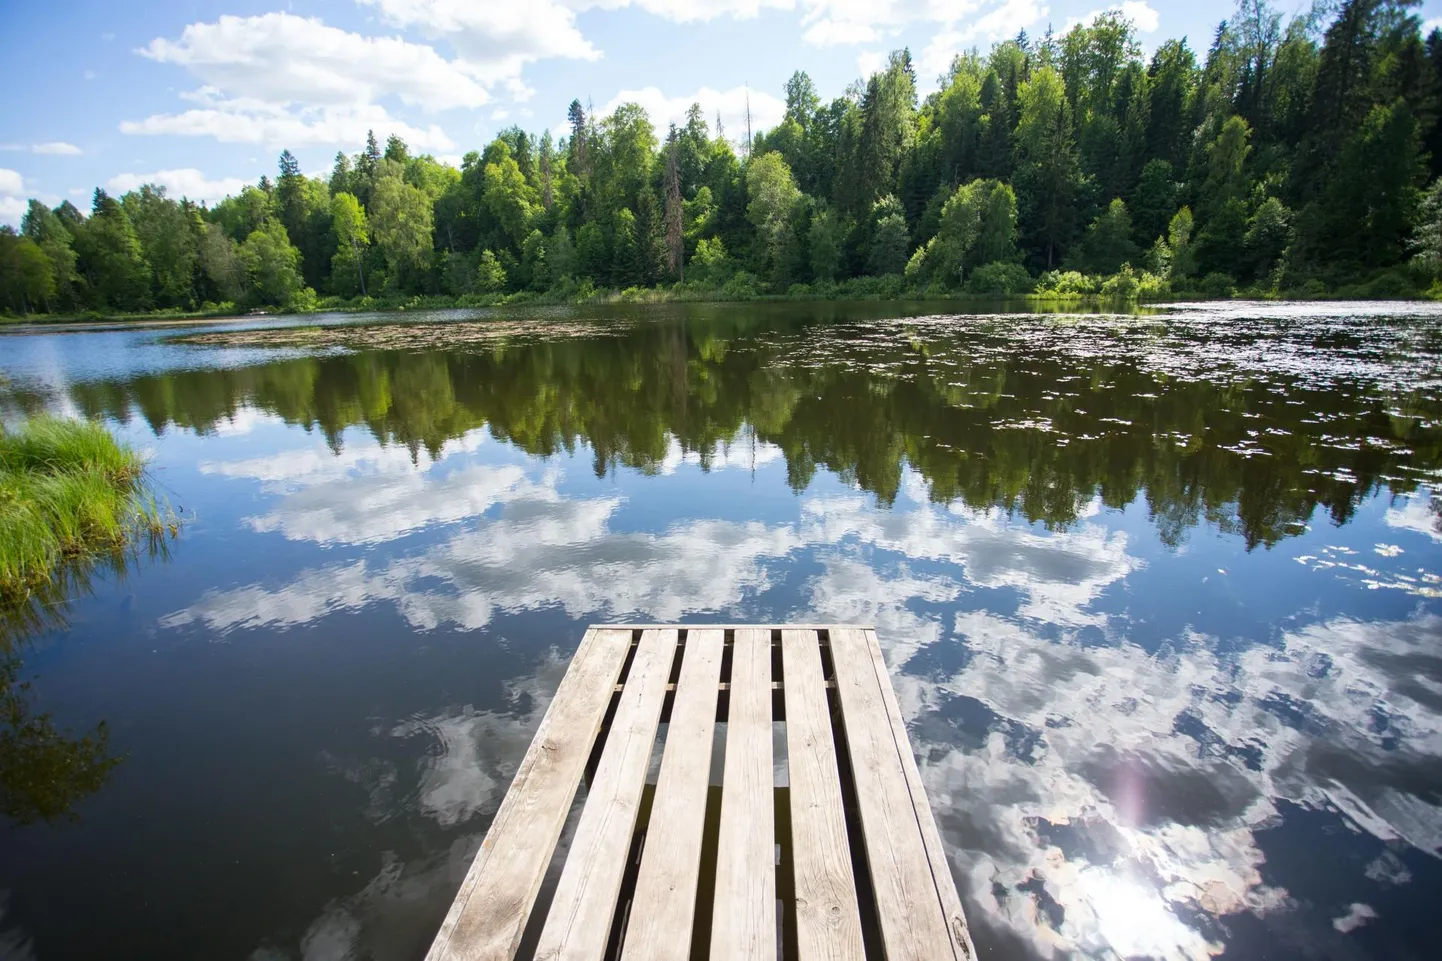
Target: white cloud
(832,33)
(186,182)
(495,40)
(1139,12)
(1435,23)
(870,61)
(276,125)
(833,22)
(56,147)
(766,110)
(53,147)
(281,79)
(282,58)
(12,197)
(998,23)
(689,11)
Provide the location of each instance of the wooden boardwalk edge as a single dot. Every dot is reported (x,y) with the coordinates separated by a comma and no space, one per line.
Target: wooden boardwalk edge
(637,877)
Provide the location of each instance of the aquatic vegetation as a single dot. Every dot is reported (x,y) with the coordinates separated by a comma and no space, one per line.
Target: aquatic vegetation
(68,492)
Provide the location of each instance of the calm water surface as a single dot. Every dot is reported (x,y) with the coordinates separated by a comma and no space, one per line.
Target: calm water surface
(1162,597)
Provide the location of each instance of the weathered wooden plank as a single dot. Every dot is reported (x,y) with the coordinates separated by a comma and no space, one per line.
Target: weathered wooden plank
(664,903)
(726,685)
(828,923)
(926,821)
(743,926)
(579,922)
(729,627)
(490,911)
(908,902)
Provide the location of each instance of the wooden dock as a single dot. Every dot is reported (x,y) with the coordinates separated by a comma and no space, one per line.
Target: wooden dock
(828,850)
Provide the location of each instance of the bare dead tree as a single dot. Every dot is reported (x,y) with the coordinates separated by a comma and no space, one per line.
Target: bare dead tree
(675,226)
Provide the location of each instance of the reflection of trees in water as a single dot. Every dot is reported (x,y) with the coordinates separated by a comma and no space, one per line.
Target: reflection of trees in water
(1029,427)
(45,770)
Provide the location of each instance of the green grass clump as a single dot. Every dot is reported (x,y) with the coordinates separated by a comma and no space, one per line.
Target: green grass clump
(68,490)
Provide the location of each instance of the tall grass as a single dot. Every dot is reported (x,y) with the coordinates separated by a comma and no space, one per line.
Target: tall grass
(68,491)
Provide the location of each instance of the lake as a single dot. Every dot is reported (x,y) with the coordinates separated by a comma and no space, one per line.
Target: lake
(1161,596)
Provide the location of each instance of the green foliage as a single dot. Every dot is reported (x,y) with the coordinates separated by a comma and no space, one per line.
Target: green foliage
(825,239)
(109,254)
(1108,242)
(1000,278)
(1297,151)
(890,241)
(67,489)
(1426,243)
(271,265)
(490,275)
(1179,245)
(711,264)
(401,224)
(977,226)
(1153,202)
(773,198)
(1066,283)
(1218,285)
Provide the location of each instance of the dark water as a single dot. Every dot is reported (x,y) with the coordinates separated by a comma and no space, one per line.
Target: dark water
(1161,596)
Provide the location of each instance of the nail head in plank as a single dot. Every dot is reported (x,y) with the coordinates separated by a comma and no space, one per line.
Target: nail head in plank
(743,925)
(664,904)
(908,899)
(490,911)
(828,922)
(579,922)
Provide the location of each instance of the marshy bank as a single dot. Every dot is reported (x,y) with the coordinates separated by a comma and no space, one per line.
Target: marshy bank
(70,493)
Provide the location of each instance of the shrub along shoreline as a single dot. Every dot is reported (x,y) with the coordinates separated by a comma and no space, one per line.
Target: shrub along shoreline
(69,493)
(994,283)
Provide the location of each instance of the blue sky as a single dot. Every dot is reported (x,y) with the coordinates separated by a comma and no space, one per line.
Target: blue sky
(202,96)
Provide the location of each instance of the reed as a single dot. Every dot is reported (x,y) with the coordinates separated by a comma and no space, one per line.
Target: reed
(69,491)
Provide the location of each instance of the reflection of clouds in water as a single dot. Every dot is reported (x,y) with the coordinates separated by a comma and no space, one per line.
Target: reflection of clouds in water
(540,551)
(1100,799)
(739,454)
(383,507)
(390,916)
(472,755)
(1414,513)
(245,420)
(318,464)
(1058,575)
(468,759)
(1109,771)
(15,944)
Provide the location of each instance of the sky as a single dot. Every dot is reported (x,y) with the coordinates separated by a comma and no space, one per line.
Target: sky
(201,97)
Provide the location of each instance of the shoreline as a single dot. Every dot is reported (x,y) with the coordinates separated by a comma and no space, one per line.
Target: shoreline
(35,324)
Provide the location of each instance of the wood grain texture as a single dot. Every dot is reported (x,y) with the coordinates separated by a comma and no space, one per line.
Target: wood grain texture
(490,911)
(926,821)
(579,922)
(743,926)
(908,902)
(828,924)
(664,905)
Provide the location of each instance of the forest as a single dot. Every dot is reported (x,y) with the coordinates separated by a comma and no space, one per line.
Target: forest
(1293,157)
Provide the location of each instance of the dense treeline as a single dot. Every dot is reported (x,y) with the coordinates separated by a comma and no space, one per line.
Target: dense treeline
(1291,157)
